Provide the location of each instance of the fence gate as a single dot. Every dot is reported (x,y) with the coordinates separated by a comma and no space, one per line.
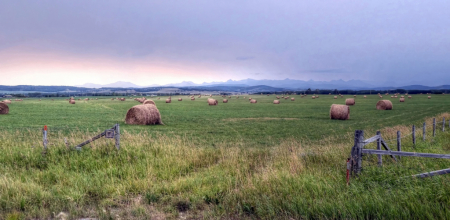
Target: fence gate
(113,133)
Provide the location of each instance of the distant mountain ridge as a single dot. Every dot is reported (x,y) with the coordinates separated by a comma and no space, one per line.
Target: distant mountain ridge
(287,83)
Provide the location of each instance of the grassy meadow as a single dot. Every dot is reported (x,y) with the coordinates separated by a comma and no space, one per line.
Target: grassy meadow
(235,160)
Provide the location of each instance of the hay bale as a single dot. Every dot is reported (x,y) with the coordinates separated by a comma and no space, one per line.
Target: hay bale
(350,101)
(7,101)
(168,100)
(354,96)
(213,102)
(149,102)
(292,99)
(402,99)
(143,115)
(402,96)
(193,99)
(249,98)
(276,101)
(365,96)
(335,97)
(384,105)
(72,101)
(278,97)
(4,109)
(429,97)
(285,98)
(225,101)
(339,112)
(180,99)
(253,101)
(409,97)
(313,97)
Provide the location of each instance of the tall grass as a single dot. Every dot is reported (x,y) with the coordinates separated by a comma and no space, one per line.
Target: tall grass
(165,177)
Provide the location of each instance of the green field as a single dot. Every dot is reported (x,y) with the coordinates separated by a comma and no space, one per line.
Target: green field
(234,160)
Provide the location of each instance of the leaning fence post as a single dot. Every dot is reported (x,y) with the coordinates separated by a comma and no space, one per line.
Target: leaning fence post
(434,127)
(424,130)
(117,136)
(414,134)
(359,145)
(399,142)
(379,156)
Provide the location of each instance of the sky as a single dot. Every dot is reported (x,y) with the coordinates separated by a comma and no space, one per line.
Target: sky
(161,42)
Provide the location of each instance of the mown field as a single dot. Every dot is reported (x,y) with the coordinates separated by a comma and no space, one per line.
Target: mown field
(234,160)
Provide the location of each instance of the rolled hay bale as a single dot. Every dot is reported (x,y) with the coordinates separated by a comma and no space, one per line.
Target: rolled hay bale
(354,96)
(249,98)
(392,97)
(168,100)
(317,96)
(350,102)
(180,99)
(339,112)
(365,96)
(335,97)
(8,101)
(278,97)
(282,96)
(212,102)
(384,105)
(395,96)
(112,99)
(429,97)
(402,99)
(253,101)
(4,109)
(276,101)
(409,97)
(292,99)
(149,102)
(193,99)
(79,99)
(72,101)
(225,101)
(285,98)
(237,97)
(402,96)
(86,99)
(313,97)
(158,98)
(143,115)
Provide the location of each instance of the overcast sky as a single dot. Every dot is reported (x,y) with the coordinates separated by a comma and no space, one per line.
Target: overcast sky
(160,42)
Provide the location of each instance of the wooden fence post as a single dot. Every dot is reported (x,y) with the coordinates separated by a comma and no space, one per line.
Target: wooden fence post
(380,158)
(117,136)
(434,127)
(443,124)
(424,130)
(414,134)
(399,142)
(359,146)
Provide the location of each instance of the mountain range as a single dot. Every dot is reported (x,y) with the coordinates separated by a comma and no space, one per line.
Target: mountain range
(284,84)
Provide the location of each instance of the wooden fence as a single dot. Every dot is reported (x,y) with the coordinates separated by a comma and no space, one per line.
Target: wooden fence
(358,150)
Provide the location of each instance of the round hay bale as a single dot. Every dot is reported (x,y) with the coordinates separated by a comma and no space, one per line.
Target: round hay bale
(7,101)
(313,97)
(72,102)
(354,96)
(285,98)
(193,99)
(402,96)
(365,96)
(180,99)
(276,101)
(253,101)
(278,97)
(158,98)
(317,96)
(350,101)
(402,99)
(143,115)
(249,98)
(335,97)
(212,102)
(429,97)
(339,112)
(384,105)
(225,101)
(409,97)
(151,102)
(168,100)
(292,99)
(4,109)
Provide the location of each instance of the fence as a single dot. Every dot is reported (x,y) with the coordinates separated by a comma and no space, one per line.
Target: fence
(354,163)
